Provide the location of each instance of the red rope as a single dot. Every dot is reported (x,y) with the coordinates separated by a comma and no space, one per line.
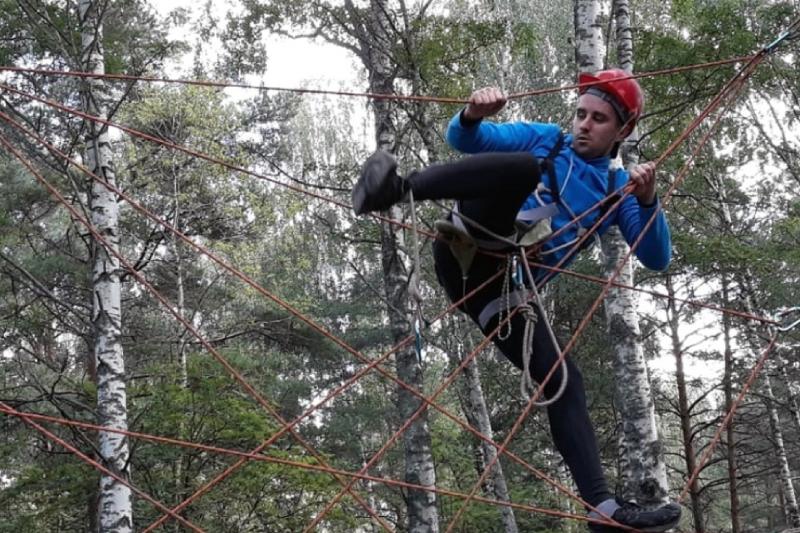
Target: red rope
(236,168)
(727,420)
(688,301)
(374,96)
(88,460)
(286,462)
(158,140)
(189,327)
(373,364)
(333,201)
(735,83)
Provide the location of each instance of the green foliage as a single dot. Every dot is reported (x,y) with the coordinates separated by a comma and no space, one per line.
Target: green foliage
(447,56)
(324,263)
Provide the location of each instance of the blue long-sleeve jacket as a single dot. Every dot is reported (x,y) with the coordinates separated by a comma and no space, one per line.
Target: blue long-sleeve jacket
(581,184)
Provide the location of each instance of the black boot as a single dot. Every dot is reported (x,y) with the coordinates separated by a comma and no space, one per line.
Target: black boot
(379,186)
(655,520)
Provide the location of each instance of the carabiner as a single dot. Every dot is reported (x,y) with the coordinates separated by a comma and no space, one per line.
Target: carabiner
(784,326)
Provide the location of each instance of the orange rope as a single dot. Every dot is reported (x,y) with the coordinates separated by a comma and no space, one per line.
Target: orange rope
(371,95)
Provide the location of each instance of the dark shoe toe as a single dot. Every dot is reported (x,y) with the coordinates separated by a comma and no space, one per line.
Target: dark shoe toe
(379,186)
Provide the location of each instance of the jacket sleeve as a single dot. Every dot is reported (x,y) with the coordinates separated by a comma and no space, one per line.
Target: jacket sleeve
(485,136)
(655,249)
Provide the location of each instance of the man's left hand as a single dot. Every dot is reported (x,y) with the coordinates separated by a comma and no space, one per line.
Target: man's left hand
(643,178)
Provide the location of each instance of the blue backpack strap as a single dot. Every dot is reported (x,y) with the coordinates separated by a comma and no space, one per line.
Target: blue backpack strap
(549,167)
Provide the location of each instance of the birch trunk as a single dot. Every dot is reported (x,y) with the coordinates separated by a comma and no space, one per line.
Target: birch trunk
(733,467)
(789,496)
(793,395)
(589,47)
(115,513)
(423,515)
(473,404)
(180,304)
(790,507)
(684,412)
(642,468)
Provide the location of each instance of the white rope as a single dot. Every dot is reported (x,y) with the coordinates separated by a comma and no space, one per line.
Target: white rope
(505,294)
(528,383)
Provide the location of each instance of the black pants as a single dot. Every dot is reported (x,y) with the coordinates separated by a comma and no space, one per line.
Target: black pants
(490,189)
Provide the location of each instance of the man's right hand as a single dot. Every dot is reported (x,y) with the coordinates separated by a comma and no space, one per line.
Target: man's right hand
(484,103)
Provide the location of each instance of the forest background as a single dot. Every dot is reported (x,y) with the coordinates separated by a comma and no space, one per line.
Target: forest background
(84,339)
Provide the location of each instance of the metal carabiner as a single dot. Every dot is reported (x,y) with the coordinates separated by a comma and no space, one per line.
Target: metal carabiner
(517,275)
(418,340)
(783,326)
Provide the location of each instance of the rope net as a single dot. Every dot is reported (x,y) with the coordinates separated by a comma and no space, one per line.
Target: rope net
(351,482)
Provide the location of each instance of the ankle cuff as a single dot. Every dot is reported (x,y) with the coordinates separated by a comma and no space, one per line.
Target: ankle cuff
(607,507)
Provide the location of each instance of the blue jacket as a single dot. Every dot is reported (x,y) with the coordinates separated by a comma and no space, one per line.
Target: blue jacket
(581,183)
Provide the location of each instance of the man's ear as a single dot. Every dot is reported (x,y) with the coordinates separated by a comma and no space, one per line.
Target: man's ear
(626,130)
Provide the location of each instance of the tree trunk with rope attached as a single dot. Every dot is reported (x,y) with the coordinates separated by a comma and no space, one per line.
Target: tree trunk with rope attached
(790,507)
(473,404)
(684,411)
(642,468)
(423,515)
(115,513)
(470,391)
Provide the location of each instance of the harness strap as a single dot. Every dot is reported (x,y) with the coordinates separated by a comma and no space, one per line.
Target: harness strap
(535,214)
(610,189)
(550,168)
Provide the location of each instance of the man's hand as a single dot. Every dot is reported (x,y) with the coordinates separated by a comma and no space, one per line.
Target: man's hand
(643,178)
(484,103)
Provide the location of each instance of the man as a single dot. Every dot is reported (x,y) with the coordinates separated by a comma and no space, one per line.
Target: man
(524,173)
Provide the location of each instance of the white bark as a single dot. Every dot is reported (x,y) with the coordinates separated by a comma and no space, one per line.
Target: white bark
(641,463)
(115,513)
(793,395)
(423,515)
(183,372)
(642,468)
(589,46)
(789,496)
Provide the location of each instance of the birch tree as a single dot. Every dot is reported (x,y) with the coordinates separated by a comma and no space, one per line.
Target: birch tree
(115,512)
(641,466)
(423,515)
(787,488)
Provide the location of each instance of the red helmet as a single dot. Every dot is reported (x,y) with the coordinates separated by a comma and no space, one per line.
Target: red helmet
(627,96)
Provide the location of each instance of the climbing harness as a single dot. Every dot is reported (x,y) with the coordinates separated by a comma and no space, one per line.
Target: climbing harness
(518,289)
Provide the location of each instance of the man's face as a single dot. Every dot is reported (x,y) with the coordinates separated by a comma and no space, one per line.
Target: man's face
(595,128)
